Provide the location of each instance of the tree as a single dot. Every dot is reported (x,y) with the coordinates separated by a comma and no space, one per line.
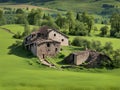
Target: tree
(21,19)
(115,25)
(19,11)
(61,21)
(26,29)
(34,16)
(96,45)
(108,48)
(1,13)
(104,30)
(2,19)
(70,20)
(87,19)
(80,29)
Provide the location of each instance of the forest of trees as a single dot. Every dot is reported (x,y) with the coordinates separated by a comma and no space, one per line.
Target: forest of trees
(70,23)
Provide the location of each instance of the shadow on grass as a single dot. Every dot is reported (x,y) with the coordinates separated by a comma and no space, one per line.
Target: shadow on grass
(18,50)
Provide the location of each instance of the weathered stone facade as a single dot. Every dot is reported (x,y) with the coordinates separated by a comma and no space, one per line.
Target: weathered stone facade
(45,42)
(91,58)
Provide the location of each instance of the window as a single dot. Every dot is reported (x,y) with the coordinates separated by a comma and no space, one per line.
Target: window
(54,34)
(48,44)
(39,34)
(62,40)
(56,49)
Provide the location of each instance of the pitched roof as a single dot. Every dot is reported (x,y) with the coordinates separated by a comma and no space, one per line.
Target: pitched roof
(47,29)
(41,41)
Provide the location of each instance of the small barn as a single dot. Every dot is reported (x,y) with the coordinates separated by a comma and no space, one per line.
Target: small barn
(91,58)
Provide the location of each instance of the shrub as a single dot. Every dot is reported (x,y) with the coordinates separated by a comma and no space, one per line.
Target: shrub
(17,35)
(117,34)
(60,55)
(104,30)
(80,42)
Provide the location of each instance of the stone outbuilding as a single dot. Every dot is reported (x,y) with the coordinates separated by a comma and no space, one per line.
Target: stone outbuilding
(89,58)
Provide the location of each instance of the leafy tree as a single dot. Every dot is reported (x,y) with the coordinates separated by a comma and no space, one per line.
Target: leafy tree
(26,29)
(116,58)
(96,45)
(108,48)
(21,18)
(19,11)
(2,18)
(1,13)
(104,30)
(80,29)
(70,20)
(87,19)
(34,16)
(115,24)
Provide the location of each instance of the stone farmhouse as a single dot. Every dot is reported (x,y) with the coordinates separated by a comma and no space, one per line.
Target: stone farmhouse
(91,58)
(45,42)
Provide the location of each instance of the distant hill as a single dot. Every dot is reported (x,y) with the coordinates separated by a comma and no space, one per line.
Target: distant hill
(102,7)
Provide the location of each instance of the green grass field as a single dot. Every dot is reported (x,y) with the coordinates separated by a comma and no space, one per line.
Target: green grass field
(115,42)
(17,27)
(17,74)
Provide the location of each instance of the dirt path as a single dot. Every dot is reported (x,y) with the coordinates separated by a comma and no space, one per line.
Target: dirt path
(7,30)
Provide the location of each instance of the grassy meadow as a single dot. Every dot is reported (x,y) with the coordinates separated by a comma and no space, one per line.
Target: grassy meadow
(16,72)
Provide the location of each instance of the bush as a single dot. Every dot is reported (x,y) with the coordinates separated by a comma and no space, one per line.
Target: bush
(60,55)
(95,45)
(117,34)
(17,35)
(79,42)
(104,30)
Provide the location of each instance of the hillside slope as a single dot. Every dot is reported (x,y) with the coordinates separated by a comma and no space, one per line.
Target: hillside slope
(91,6)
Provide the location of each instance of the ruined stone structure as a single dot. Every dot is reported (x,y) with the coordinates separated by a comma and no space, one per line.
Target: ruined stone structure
(45,42)
(91,58)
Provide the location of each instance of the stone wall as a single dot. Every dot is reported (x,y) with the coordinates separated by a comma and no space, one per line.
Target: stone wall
(81,58)
(44,49)
(58,37)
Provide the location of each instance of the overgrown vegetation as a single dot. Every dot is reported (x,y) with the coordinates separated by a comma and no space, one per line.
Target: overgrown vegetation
(96,45)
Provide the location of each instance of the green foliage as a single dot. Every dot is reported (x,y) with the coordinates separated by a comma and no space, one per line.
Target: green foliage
(81,42)
(34,16)
(17,35)
(115,25)
(21,19)
(26,29)
(2,19)
(1,13)
(116,57)
(19,11)
(104,30)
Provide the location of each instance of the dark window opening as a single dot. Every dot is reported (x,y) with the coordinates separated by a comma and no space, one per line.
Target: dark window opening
(39,34)
(54,34)
(43,55)
(56,49)
(48,44)
(62,40)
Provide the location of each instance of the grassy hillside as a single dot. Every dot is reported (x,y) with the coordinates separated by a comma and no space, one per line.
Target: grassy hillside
(16,27)
(91,6)
(17,74)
